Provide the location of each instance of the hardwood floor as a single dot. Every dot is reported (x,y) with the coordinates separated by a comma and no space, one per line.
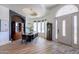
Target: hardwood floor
(37,46)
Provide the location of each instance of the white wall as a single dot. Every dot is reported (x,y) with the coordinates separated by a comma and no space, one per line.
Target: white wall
(4,17)
(51,14)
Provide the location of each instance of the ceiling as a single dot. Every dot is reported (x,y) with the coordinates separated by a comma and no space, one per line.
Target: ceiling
(31,10)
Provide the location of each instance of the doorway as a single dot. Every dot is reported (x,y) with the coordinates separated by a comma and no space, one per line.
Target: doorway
(17,26)
(49,31)
(66,29)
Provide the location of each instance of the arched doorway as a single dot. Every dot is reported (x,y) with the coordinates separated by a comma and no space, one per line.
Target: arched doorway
(64,24)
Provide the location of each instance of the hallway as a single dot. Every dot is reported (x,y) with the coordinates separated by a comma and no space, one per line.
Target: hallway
(38,46)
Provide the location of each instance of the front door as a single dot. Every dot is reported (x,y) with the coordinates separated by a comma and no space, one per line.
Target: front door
(64,30)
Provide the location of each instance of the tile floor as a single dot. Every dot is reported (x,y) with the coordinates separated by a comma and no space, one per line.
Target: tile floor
(37,46)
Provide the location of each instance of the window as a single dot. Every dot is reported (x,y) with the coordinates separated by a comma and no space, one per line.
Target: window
(17,27)
(35,27)
(64,27)
(43,27)
(67,9)
(75,29)
(56,30)
(39,26)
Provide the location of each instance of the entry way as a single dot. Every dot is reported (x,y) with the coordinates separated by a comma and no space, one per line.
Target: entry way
(66,29)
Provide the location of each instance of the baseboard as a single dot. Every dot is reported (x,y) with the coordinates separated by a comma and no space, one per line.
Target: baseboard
(4,43)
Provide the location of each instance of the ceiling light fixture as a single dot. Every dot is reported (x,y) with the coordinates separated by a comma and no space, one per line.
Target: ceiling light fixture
(34,12)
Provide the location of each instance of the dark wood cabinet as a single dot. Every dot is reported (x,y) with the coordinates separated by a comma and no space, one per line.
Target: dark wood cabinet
(16,30)
(49,31)
(17,25)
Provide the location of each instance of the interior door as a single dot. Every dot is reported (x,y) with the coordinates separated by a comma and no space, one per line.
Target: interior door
(49,31)
(64,30)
